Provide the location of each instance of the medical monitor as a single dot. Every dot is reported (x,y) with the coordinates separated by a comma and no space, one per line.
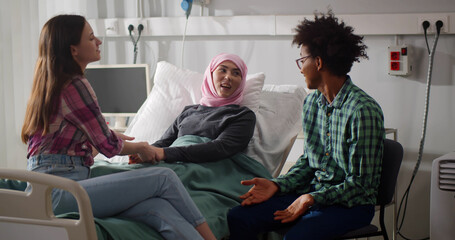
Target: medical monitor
(121,89)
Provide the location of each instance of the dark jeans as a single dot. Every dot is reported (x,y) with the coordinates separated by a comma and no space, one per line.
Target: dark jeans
(320,222)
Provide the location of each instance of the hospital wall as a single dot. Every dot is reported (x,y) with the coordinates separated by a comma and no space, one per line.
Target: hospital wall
(401,98)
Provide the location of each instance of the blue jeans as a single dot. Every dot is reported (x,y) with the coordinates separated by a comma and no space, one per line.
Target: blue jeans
(155,196)
(318,223)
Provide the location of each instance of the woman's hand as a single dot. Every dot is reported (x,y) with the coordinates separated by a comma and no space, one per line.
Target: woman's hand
(94,151)
(296,209)
(124,137)
(134,158)
(262,190)
(145,153)
(160,156)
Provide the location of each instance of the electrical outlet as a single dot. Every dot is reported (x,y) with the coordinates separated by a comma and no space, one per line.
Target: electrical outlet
(432,20)
(135,23)
(111,27)
(399,60)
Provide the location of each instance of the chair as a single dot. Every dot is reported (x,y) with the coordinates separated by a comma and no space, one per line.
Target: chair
(391,162)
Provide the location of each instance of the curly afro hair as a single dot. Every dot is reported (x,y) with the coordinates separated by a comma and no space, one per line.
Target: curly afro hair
(332,41)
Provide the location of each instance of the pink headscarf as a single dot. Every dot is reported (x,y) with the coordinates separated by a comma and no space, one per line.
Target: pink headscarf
(209,95)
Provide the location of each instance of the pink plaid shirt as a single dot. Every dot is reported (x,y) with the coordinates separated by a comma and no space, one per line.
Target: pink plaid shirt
(76,126)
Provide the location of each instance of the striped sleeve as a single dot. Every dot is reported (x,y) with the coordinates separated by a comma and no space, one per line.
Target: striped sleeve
(297,178)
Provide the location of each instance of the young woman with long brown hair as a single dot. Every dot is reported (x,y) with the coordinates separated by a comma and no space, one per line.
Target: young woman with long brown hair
(64,129)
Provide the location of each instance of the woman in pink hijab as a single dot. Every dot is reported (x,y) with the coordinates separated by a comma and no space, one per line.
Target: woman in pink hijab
(219,88)
(219,117)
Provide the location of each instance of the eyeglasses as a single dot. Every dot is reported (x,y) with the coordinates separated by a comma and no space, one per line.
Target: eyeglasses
(301,60)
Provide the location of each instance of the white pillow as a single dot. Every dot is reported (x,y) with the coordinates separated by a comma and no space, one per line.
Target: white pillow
(173,89)
(278,121)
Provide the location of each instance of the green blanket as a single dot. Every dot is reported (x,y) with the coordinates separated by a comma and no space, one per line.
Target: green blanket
(214,186)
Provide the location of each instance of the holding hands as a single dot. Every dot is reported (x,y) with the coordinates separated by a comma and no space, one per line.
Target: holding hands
(158,155)
(140,151)
(148,153)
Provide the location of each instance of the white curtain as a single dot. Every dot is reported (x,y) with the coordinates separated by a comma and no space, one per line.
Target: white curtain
(19,40)
(20,25)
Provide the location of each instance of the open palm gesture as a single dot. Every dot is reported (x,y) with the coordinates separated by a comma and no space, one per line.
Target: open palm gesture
(262,190)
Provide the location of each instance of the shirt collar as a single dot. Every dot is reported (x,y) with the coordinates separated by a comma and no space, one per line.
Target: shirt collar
(340,97)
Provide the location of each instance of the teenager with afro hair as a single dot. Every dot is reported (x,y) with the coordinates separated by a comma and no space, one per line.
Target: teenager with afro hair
(332,188)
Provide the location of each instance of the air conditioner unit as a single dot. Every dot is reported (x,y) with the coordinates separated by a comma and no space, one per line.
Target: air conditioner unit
(442,201)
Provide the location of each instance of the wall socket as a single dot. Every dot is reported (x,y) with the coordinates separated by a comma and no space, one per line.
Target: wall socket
(135,23)
(400,60)
(432,20)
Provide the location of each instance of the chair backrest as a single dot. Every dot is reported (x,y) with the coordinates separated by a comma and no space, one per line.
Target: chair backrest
(391,162)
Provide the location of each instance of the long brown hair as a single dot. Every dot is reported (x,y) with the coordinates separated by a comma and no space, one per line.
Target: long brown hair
(54,69)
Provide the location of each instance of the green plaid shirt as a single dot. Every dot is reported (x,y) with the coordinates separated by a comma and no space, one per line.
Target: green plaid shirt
(341,162)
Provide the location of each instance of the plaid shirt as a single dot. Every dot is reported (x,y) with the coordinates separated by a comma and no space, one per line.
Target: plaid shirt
(341,163)
(76,126)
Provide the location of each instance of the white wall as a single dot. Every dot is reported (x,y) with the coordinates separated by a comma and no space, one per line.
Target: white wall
(401,98)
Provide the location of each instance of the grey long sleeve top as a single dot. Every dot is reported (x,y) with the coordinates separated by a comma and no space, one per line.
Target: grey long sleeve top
(230,127)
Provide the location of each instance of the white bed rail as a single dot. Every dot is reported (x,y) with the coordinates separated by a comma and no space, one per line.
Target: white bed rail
(29,215)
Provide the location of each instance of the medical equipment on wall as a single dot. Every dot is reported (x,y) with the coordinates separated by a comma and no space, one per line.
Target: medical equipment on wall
(400,60)
(140,28)
(186,6)
(431,52)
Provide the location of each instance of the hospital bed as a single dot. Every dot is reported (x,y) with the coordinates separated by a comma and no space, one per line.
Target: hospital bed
(278,113)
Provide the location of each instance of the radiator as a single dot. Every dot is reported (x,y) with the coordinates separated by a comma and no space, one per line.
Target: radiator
(442,199)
